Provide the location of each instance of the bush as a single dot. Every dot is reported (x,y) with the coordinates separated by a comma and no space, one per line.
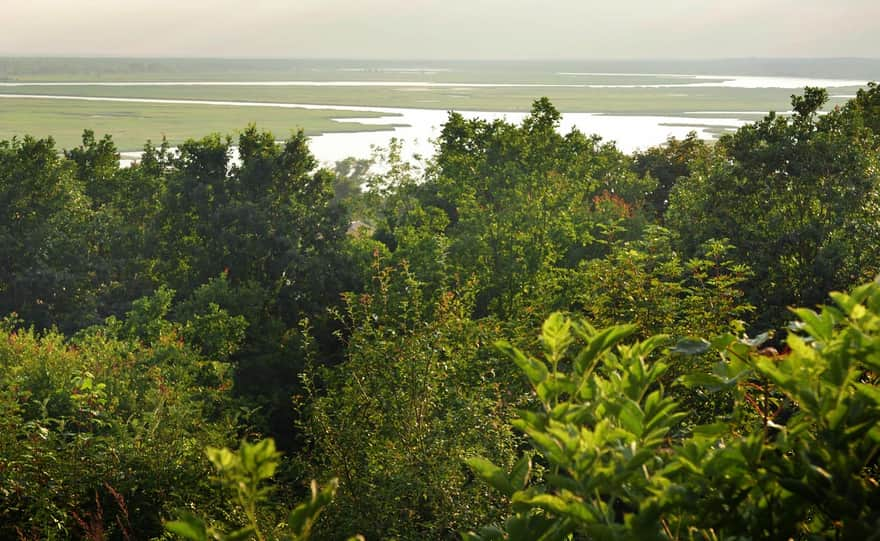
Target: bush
(414,395)
(795,458)
(244,473)
(104,434)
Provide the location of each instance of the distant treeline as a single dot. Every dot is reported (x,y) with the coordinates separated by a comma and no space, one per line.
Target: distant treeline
(62,68)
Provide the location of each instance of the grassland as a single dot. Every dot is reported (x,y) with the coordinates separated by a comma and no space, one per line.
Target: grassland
(662,101)
(132,124)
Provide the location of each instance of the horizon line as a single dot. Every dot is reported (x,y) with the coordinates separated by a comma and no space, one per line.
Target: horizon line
(27,56)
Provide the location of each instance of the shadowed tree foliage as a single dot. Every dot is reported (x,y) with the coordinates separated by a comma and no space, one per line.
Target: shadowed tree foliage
(46,247)
(798,196)
(269,226)
(666,164)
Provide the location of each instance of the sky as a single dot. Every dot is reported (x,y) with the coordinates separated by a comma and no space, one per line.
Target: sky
(442,29)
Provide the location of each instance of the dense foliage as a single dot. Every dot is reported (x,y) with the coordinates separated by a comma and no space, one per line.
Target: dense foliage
(104,433)
(219,295)
(794,458)
(417,390)
(798,196)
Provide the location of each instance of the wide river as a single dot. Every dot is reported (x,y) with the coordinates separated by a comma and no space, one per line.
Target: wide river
(418,128)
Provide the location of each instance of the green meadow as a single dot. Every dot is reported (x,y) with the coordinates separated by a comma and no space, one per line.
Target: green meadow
(661,101)
(132,124)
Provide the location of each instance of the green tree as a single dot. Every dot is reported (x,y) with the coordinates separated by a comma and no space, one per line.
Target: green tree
(864,109)
(415,393)
(97,162)
(270,229)
(270,220)
(503,202)
(666,164)
(46,249)
(798,197)
(647,283)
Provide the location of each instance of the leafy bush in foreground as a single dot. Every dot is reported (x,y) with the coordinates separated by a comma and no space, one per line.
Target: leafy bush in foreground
(244,472)
(795,459)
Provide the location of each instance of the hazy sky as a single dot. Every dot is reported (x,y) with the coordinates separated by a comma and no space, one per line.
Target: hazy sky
(442,29)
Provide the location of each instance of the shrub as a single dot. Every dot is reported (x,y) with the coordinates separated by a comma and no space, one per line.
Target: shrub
(795,458)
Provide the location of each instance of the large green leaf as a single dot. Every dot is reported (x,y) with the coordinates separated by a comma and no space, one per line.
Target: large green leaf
(535,370)
(491,474)
(691,346)
(599,343)
(189,526)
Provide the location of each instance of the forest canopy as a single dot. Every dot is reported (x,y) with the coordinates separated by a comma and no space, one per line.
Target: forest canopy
(533,335)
